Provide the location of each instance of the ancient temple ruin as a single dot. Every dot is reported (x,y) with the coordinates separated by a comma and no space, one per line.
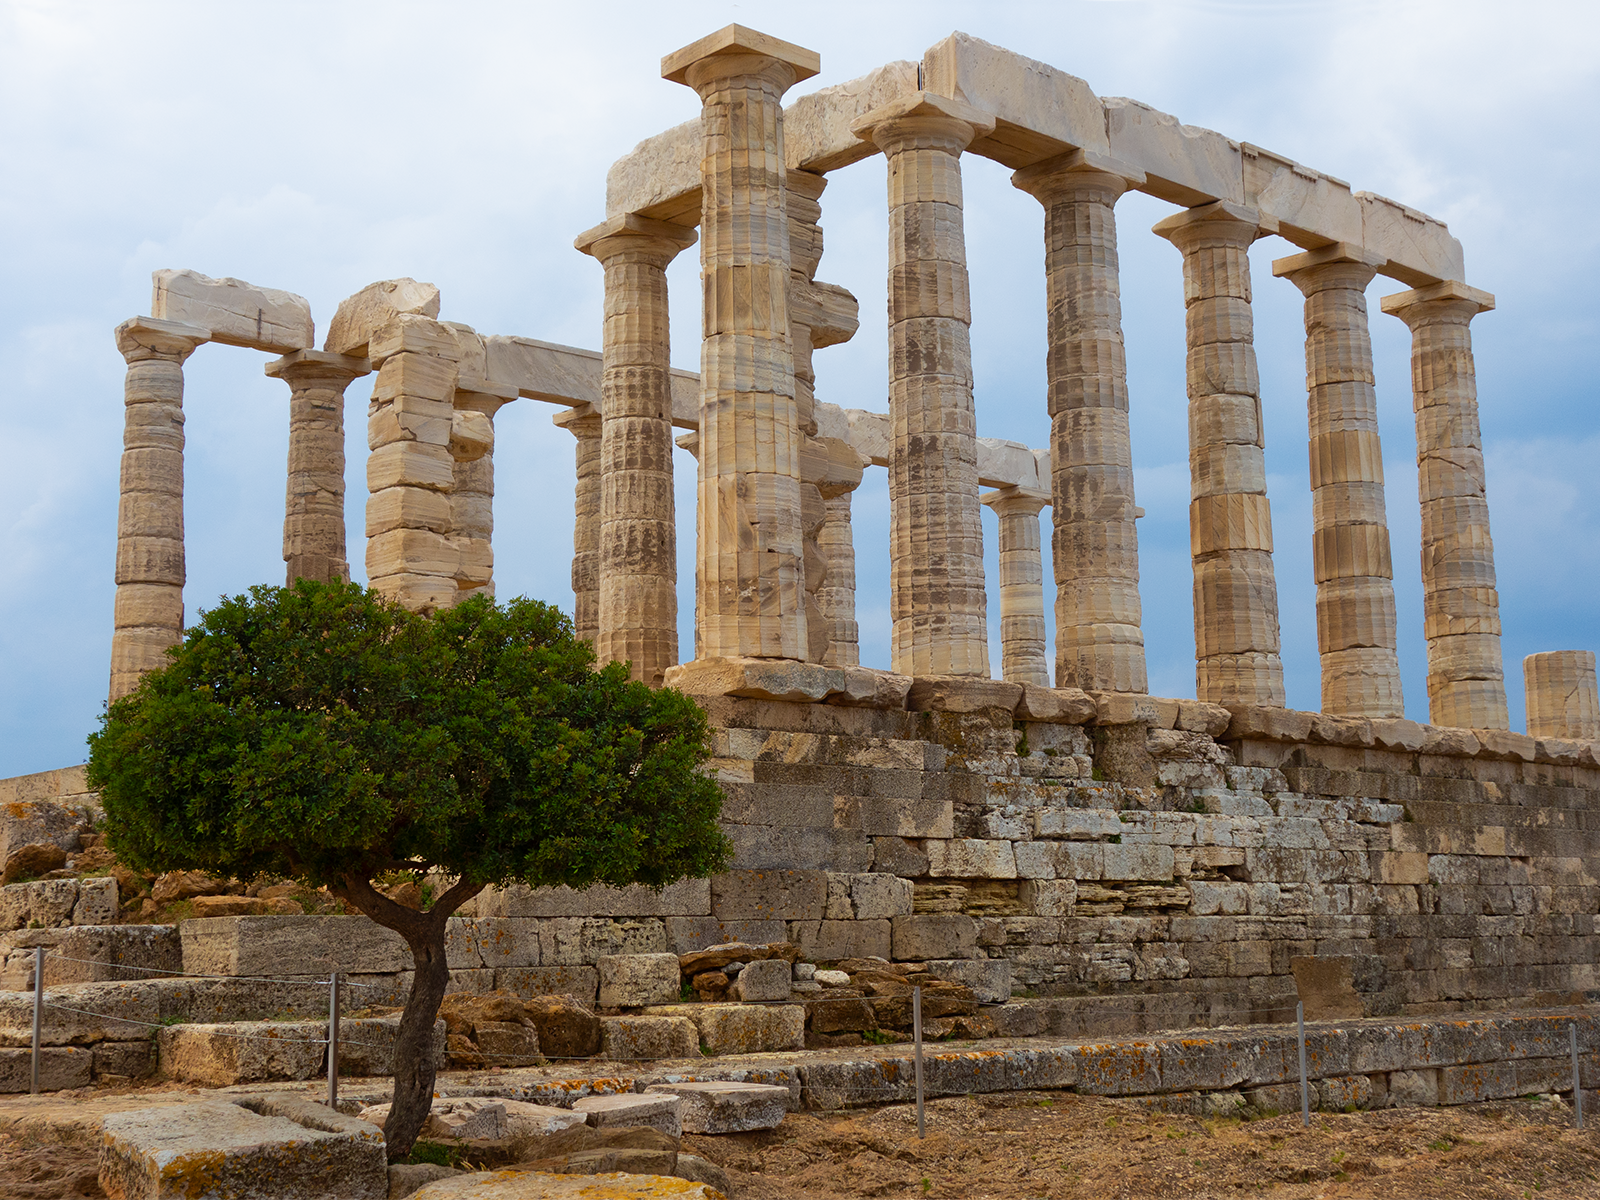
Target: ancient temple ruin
(1056,825)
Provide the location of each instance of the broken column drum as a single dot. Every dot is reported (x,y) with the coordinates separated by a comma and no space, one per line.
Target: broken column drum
(937,600)
(1563,701)
(1094,542)
(1237,659)
(750,565)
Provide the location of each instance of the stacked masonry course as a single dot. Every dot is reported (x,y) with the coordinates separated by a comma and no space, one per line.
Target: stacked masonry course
(1137,863)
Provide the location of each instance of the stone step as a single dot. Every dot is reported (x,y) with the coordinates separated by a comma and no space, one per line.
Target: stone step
(724,1107)
(222,1055)
(655,1111)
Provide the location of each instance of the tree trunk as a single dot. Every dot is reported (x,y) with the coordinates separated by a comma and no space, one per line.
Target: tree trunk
(414,1065)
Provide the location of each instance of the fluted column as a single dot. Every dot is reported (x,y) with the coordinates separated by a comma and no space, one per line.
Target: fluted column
(1460,600)
(584,425)
(1563,701)
(1094,543)
(477,401)
(837,595)
(1356,625)
(638,565)
(937,599)
(750,565)
(148,613)
(1022,632)
(1237,658)
(313,520)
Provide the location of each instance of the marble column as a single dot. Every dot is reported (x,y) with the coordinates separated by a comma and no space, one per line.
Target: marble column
(477,401)
(1237,648)
(638,565)
(1094,543)
(837,595)
(1356,625)
(750,564)
(411,424)
(1460,600)
(584,425)
(1022,632)
(313,521)
(1563,701)
(937,600)
(148,613)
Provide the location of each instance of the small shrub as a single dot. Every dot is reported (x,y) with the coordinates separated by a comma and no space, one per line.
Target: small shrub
(1115,839)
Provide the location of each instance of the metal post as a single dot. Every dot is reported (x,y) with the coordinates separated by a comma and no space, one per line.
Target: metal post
(1577,1082)
(333,1041)
(1305,1087)
(39,1005)
(916,1037)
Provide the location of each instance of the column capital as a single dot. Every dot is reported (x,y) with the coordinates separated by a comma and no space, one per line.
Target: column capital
(150,337)
(738,50)
(1223,220)
(1016,501)
(582,421)
(1339,265)
(1440,299)
(1076,173)
(631,232)
(308,365)
(923,114)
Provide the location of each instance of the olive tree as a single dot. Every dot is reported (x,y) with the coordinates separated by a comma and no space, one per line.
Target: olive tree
(324,734)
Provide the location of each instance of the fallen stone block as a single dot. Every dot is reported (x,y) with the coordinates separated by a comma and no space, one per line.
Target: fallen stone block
(536,1185)
(635,980)
(258,1148)
(765,980)
(60,1067)
(629,1038)
(657,1112)
(989,979)
(406,1178)
(726,1107)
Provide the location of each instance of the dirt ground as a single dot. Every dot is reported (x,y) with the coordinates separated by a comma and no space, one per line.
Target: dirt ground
(1023,1146)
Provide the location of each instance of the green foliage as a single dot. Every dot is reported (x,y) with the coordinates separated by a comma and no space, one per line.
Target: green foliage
(322,733)
(877,1037)
(436,1153)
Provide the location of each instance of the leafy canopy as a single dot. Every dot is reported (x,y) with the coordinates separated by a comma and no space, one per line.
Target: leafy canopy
(322,732)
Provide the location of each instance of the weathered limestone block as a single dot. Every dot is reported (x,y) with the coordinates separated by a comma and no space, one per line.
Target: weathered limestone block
(769,895)
(750,590)
(1419,249)
(743,1028)
(1562,697)
(634,1183)
(1099,645)
(279,945)
(761,981)
(634,980)
(720,1106)
(260,1146)
(934,935)
(1230,521)
(834,941)
(124,1060)
(235,312)
(961,694)
(60,1068)
(648,1037)
(360,316)
(879,895)
(937,601)
(658,1111)
(688,898)
(580,941)
(989,979)
(580,982)
(1183,163)
(104,953)
(244,1051)
(1308,208)
(971,858)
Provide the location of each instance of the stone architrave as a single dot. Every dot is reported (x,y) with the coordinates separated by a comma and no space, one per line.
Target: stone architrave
(750,561)
(313,520)
(1237,648)
(411,468)
(1563,701)
(1356,623)
(1022,631)
(1095,545)
(584,425)
(638,563)
(148,614)
(1460,599)
(937,600)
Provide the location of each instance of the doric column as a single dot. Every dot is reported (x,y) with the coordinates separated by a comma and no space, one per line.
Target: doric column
(313,519)
(937,600)
(837,596)
(148,615)
(584,425)
(472,482)
(1094,544)
(1237,658)
(638,565)
(751,572)
(1460,602)
(1563,701)
(1022,632)
(411,469)
(1356,626)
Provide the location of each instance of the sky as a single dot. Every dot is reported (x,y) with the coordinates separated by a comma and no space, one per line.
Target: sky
(317,147)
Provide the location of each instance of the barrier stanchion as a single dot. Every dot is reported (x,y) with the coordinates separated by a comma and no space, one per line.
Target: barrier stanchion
(1305,1087)
(1577,1081)
(39,1005)
(916,1037)
(333,1041)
